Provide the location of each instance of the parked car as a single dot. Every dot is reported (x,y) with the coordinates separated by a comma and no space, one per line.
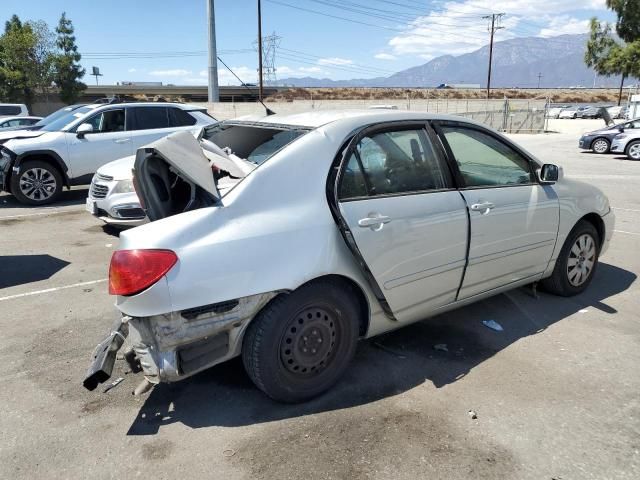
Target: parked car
(112,197)
(13,110)
(17,122)
(360,223)
(627,143)
(591,112)
(554,110)
(23,132)
(599,141)
(572,112)
(69,150)
(617,112)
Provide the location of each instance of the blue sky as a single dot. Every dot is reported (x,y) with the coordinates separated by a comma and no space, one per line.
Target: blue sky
(368,38)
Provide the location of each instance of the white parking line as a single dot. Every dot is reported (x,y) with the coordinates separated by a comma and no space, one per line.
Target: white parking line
(51,212)
(626,209)
(50,290)
(618,231)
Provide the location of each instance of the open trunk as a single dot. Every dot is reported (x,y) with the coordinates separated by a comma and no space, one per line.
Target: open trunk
(172,175)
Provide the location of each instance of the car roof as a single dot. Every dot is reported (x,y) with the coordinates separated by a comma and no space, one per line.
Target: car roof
(183,106)
(21,117)
(316,118)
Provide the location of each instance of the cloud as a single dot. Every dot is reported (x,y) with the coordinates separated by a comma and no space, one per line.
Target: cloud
(457,27)
(335,61)
(177,72)
(132,70)
(384,56)
(310,70)
(564,25)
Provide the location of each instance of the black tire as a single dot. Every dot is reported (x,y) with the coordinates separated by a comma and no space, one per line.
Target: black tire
(565,280)
(320,318)
(42,176)
(600,145)
(633,150)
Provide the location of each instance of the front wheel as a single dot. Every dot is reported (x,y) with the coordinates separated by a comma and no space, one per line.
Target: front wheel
(633,150)
(300,344)
(600,145)
(36,183)
(577,262)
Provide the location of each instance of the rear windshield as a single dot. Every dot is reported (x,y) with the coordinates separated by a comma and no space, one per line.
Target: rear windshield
(253,142)
(62,122)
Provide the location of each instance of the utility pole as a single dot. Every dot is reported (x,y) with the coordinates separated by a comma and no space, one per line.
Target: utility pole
(494,26)
(539,77)
(214,93)
(260,50)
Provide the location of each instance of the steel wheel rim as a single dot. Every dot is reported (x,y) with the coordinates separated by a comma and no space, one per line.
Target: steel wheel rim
(309,341)
(600,146)
(37,184)
(582,259)
(634,151)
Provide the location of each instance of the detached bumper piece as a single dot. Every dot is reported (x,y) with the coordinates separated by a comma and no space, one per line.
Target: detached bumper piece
(104,355)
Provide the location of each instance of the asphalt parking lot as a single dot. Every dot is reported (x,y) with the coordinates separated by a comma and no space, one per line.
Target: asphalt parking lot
(556,393)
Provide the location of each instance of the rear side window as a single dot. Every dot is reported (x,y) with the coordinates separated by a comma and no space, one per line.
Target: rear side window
(10,110)
(148,118)
(394,162)
(485,161)
(180,118)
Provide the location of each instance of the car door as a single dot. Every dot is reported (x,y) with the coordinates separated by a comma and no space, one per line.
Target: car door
(149,123)
(514,219)
(108,141)
(403,218)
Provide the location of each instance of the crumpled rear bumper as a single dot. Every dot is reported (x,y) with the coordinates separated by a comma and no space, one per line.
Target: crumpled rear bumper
(176,345)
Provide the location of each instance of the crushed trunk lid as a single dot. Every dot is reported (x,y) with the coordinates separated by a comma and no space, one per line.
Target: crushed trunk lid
(172,175)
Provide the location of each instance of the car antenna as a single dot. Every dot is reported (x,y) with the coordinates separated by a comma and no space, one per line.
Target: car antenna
(268,110)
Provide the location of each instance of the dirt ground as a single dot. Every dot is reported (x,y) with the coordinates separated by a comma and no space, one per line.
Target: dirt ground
(555,393)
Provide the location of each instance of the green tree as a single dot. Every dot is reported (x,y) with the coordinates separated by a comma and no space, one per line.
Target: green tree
(608,55)
(25,60)
(67,62)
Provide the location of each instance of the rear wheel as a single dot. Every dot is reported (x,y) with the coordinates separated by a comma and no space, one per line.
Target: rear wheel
(600,145)
(300,344)
(36,183)
(633,150)
(576,263)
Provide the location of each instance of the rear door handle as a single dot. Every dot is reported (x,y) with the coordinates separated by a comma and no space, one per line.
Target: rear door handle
(122,140)
(481,207)
(373,221)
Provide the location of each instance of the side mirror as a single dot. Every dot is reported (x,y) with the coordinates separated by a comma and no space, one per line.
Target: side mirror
(549,174)
(84,129)
(621,128)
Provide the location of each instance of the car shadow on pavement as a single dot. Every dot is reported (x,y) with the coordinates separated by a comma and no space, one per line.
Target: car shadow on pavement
(77,196)
(21,269)
(384,366)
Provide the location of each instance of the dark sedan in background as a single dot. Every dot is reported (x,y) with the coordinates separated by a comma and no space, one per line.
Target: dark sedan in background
(599,141)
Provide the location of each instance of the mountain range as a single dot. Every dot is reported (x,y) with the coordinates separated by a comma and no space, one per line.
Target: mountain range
(516,63)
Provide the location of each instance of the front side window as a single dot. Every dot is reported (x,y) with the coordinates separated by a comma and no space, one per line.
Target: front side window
(394,162)
(109,121)
(148,118)
(485,161)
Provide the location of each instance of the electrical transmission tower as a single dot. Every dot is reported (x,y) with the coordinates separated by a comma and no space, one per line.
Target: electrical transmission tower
(270,45)
(494,25)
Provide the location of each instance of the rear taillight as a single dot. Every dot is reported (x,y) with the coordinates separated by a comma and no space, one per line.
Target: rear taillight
(131,271)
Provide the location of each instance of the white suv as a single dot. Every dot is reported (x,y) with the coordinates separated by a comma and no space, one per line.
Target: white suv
(13,110)
(69,150)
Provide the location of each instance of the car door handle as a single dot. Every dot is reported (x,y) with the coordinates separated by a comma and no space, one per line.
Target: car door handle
(122,140)
(373,221)
(481,207)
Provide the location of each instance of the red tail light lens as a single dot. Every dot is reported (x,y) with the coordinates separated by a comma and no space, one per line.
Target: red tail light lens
(131,271)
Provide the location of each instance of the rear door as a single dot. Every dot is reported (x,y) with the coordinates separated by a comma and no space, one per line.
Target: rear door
(402,216)
(152,122)
(514,219)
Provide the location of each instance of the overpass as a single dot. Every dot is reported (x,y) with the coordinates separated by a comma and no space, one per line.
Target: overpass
(191,93)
